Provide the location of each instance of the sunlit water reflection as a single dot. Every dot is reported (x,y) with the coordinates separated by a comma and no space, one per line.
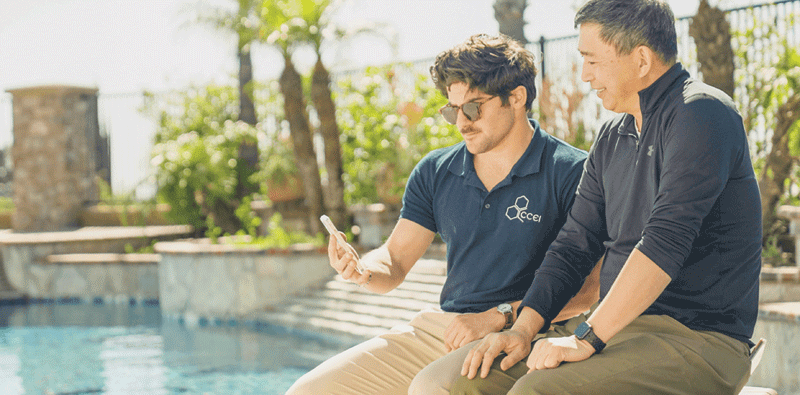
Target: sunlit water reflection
(106,349)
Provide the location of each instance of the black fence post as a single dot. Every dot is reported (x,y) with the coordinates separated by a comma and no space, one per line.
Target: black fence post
(542,41)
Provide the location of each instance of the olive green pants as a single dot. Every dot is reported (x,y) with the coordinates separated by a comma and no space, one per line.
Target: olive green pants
(655,354)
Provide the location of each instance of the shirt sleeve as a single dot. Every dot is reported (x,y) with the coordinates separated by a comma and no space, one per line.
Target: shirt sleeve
(579,244)
(570,187)
(700,148)
(418,196)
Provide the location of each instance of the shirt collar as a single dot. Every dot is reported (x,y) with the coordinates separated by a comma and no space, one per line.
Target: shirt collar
(650,97)
(529,163)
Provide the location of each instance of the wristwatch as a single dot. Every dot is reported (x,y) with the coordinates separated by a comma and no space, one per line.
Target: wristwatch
(584,331)
(508,311)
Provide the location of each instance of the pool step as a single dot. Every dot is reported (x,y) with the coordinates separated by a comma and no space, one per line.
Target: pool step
(342,309)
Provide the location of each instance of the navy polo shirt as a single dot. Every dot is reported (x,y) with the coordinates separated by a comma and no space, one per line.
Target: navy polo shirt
(495,239)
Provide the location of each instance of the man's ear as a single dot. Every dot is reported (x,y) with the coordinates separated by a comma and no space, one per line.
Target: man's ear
(644,58)
(518,97)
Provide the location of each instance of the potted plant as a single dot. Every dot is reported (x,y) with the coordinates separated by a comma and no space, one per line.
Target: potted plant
(280,172)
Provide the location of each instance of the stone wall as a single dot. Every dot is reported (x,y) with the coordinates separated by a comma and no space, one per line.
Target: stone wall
(54,150)
(24,254)
(225,281)
(92,277)
(779,324)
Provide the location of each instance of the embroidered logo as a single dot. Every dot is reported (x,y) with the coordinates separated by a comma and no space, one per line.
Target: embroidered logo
(519,210)
(650,151)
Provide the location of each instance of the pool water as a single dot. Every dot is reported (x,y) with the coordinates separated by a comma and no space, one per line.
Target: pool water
(72,349)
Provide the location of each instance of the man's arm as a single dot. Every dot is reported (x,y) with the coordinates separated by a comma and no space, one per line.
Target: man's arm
(638,285)
(386,266)
(702,145)
(516,342)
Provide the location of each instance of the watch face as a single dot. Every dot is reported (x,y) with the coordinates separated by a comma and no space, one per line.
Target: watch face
(582,330)
(505,308)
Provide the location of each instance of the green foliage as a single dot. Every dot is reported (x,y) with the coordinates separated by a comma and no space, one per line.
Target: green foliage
(148,249)
(6,204)
(197,172)
(280,162)
(128,204)
(278,237)
(769,69)
(387,127)
(196,150)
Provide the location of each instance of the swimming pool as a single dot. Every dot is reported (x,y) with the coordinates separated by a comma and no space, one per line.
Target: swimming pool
(71,349)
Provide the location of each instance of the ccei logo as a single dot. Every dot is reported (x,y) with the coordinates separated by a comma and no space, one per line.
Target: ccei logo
(520,211)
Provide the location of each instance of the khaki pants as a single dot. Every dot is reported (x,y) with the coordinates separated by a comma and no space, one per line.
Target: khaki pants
(655,354)
(386,364)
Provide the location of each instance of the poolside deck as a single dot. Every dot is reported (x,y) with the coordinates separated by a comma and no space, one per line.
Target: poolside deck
(348,313)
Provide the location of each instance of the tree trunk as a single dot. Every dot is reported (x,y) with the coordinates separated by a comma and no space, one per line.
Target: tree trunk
(294,107)
(712,36)
(247,110)
(510,17)
(778,164)
(248,150)
(326,111)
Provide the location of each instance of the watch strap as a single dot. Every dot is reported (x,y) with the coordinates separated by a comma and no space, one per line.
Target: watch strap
(586,332)
(508,312)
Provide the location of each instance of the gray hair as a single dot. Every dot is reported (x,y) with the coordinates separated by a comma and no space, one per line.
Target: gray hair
(627,24)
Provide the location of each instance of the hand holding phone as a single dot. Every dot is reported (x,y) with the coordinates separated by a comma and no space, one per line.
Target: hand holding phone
(326,221)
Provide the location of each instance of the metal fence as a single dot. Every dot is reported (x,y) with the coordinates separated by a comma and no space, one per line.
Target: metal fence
(119,112)
(783,17)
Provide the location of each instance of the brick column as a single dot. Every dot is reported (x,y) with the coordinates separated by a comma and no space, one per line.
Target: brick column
(55,135)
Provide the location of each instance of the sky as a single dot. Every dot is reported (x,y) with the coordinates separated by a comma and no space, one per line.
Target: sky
(123,47)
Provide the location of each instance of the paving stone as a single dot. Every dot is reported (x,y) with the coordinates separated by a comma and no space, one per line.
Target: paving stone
(343,309)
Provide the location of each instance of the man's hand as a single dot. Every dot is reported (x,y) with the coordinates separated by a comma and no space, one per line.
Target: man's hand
(345,262)
(548,353)
(468,327)
(515,345)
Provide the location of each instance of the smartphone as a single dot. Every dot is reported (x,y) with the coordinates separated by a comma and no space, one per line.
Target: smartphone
(335,232)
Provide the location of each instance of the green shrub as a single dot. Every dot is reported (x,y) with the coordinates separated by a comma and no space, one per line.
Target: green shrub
(387,127)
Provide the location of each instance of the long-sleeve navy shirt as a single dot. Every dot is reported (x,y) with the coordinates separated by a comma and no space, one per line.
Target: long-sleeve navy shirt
(683,192)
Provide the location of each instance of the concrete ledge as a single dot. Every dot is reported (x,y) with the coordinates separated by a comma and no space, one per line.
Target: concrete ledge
(781,274)
(779,284)
(91,276)
(98,258)
(25,254)
(792,213)
(786,311)
(95,233)
(200,279)
(779,324)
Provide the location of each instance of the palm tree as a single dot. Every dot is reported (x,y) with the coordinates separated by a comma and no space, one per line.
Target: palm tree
(244,21)
(510,16)
(712,36)
(284,32)
(315,15)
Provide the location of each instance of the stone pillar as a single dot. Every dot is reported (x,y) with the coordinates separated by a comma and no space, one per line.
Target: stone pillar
(55,135)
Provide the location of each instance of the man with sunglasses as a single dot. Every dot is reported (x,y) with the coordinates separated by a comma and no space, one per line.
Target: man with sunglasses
(497,200)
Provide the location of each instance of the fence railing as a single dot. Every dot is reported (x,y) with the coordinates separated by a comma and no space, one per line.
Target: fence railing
(558,55)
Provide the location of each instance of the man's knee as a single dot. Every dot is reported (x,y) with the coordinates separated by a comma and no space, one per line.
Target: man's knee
(497,382)
(476,386)
(425,383)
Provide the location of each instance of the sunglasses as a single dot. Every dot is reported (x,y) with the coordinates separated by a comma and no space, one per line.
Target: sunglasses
(471,110)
